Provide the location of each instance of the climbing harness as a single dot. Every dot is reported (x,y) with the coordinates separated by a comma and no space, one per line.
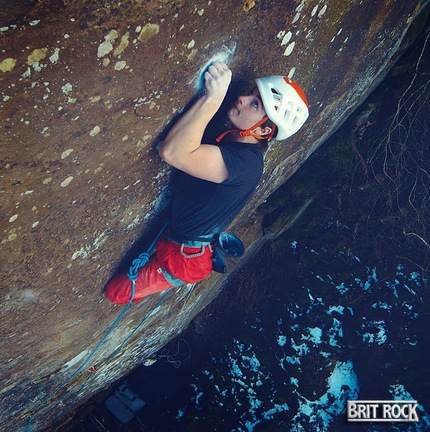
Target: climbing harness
(222,245)
(172,280)
(132,274)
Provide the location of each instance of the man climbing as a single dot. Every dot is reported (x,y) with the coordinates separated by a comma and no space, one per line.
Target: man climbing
(216,180)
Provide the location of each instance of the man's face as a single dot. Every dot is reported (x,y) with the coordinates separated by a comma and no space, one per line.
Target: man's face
(247,110)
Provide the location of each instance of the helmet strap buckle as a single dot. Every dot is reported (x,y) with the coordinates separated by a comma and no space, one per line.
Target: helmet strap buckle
(250,132)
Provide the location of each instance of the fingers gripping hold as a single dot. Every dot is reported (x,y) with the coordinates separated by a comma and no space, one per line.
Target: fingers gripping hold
(217,70)
(217,79)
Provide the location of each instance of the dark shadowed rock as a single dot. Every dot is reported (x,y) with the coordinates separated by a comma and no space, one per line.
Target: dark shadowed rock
(87,87)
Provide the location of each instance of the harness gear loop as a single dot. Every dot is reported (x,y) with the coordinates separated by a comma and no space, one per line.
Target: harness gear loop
(249,132)
(195,255)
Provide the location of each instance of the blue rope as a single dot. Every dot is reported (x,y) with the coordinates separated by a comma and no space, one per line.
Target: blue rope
(132,274)
(142,259)
(139,262)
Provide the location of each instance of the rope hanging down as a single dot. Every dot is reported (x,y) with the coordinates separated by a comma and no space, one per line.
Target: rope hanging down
(132,274)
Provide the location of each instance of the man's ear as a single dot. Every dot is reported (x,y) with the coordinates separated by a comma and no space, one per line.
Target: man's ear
(262,131)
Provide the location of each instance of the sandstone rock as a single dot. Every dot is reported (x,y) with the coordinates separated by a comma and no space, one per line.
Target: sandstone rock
(87,87)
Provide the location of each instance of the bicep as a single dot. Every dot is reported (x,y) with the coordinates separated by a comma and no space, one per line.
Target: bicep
(206,162)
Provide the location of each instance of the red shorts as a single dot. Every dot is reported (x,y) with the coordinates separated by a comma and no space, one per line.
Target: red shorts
(168,256)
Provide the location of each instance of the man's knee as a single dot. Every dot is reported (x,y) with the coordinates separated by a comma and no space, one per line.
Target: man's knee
(118,289)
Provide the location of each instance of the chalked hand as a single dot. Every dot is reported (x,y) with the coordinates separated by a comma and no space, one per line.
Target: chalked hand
(217,80)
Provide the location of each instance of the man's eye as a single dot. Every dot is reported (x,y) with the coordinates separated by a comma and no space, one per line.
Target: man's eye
(255,104)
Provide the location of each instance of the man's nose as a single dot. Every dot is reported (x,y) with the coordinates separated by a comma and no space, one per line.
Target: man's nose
(241,99)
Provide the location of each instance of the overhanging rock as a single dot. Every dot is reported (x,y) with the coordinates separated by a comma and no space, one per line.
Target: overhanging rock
(86,89)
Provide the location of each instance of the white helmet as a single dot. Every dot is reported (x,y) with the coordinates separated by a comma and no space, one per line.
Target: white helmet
(285,103)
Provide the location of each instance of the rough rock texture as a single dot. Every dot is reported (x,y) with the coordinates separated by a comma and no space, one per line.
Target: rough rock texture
(86,89)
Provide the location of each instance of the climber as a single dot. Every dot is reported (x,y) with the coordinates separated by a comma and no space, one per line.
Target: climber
(215,180)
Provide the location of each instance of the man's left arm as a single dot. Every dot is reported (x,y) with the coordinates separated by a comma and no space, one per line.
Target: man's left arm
(182,147)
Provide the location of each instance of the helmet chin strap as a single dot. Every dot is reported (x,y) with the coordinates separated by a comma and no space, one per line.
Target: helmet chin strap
(249,132)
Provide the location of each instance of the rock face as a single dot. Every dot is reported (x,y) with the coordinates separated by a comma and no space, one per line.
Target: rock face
(87,87)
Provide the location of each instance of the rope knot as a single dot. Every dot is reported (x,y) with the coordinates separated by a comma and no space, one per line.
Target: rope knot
(138,263)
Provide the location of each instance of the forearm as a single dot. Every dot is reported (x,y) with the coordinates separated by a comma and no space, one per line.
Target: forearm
(186,135)
(185,138)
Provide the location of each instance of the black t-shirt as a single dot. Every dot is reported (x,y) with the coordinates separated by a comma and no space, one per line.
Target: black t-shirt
(201,207)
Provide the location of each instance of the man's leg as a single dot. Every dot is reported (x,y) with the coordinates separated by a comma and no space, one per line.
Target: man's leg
(150,280)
